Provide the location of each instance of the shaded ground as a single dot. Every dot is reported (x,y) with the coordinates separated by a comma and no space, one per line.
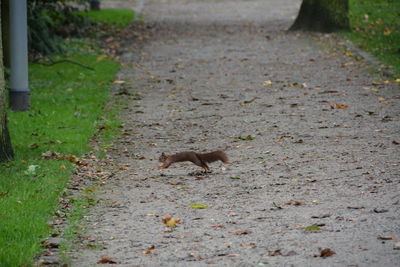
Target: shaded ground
(320,146)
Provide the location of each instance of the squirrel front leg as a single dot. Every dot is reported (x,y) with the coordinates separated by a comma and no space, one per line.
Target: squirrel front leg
(165,165)
(206,169)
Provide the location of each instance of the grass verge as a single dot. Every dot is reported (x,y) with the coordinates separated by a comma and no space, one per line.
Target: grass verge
(67,103)
(375,28)
(117,17)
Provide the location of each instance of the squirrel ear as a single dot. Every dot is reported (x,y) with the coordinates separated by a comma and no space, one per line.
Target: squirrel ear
(162,154)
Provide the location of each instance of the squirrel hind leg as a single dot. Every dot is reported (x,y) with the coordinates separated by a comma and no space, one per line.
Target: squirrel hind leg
(206,168)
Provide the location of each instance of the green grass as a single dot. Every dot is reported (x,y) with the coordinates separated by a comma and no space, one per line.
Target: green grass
(375,28)
(67,109)
(118,17)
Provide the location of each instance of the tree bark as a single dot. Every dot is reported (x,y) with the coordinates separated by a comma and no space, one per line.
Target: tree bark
(5,31)
(6,151)
(322,16)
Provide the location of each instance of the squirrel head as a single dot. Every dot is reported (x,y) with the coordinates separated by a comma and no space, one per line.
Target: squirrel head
(163,157)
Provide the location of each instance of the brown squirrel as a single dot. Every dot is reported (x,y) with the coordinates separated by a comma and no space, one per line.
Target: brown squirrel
(197,158)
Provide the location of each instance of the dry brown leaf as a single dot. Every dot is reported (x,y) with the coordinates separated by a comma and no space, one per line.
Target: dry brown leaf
(241,232)
(170,221)
(383,101)
(294,203)
(338,106)
(106,260)
(274,252)
(386,237)
(326,252)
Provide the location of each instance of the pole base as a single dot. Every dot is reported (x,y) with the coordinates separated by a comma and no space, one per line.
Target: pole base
(19,100)
(95,4)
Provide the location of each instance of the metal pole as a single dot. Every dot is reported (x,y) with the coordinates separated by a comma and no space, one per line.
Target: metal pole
(95,4)
(19,90)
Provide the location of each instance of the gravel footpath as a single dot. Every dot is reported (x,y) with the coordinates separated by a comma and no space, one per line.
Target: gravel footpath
(312,133)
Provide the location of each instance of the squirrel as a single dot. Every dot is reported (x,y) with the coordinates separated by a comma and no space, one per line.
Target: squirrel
(197,158)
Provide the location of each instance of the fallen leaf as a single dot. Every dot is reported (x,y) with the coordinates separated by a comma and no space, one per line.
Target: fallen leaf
(387,32)
(383,101)
(274,252)
(235,177)
(267,83)
(247,138)
(312,228)
(72,159)
(338,106)
(106,260)
(241,232)
(182,187)
(355,207)
(321,216)
(326,252)
(170,221)
(51,155)
(197,206)
(118,82)
(249,101)
(250,245)
(294,203)
(396,245)
(386,237)
(376,210)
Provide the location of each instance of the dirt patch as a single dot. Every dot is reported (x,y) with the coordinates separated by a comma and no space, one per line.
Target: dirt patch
(311,133)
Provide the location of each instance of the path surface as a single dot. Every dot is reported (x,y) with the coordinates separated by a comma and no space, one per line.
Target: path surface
(322,148)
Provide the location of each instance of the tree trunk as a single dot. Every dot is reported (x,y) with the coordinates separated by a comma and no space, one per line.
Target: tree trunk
(5,31)
(322,16)
(6,152)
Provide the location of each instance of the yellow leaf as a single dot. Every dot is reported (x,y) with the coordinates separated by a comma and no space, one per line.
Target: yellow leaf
(387,32)
(197,206)
(382,100)
(267,83)
(119,82)
(348,54)
(375,90)
(101,57)
(397,80)
(170,221)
